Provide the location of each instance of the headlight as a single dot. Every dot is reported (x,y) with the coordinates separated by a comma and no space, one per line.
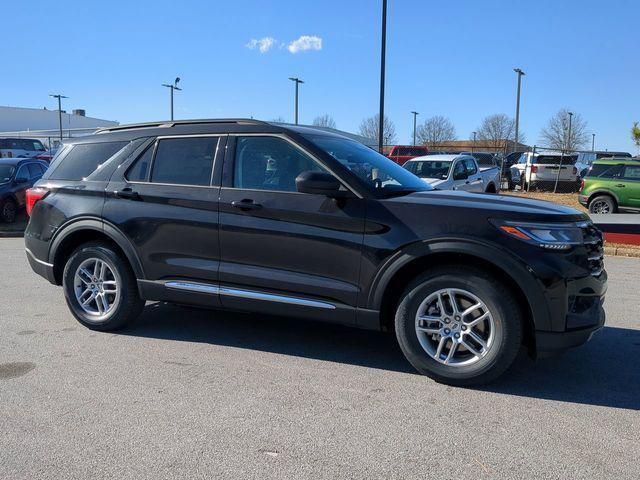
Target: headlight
(553,236)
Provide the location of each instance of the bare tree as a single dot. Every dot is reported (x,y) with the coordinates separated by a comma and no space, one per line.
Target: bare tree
(495,129)
(556,133)
(278,120)
(325,120)
(369,129)
(435,130)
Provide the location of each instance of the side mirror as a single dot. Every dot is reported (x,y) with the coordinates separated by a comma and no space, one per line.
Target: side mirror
(319,183)
(460,176)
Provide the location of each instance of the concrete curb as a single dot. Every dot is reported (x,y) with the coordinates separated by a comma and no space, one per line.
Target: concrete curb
(621,251)
(11,233)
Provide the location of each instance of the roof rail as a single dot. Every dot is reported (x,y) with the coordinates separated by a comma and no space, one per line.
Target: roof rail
(172,123)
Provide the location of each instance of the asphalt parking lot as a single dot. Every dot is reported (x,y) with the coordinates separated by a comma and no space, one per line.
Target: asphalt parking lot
(188,393)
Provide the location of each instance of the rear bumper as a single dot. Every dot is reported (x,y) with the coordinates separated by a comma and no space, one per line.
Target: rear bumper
(583,199)
(556,342)
(42,268)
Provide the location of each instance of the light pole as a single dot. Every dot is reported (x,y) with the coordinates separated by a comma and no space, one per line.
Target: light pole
(520,74)
(59,97)
(172,87)
(473,147)
(298,82)
(568,146)
(383,48)
(415,115)
(593,142)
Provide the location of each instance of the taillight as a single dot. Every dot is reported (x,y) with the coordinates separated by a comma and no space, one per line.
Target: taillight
(582,184)
(534,168)
(33,195)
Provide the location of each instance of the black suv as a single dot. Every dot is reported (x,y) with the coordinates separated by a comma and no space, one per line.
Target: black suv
(287,220)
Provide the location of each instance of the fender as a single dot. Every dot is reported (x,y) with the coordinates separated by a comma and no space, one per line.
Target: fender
(606,192)
(502,259)
(99,225)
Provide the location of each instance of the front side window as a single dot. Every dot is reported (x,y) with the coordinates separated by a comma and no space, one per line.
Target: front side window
(471,167)
(35,170)
(184,161)
(382,176)
(270,163)
(23,174)
(6,172)
(459,170)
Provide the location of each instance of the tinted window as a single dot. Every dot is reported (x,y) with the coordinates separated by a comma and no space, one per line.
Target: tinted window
(139,171)
(555,159)
(632,172)
(459,169)
(6,172)
(269,163)
(23,173)
(82,160)
(605,171)
(429,168)
(35,170)
(31,145)
(471,167)
(184,161)
(410,151)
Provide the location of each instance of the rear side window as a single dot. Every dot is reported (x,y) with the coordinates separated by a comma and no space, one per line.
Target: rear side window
(184,161)
(82,160)
(605,171)
(35,170)
(632,172)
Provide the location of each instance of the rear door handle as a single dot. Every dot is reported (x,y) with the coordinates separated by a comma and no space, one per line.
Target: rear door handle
(246,204)
(127,193)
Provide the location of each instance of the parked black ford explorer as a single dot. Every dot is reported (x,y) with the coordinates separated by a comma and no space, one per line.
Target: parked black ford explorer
(246,215)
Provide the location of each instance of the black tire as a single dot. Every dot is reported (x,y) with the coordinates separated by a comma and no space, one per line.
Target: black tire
(507,318)
(491,188)
(128,306)
(8,210)
(597,204)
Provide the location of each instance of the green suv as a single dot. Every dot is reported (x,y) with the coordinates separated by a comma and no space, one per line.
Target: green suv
(612,185)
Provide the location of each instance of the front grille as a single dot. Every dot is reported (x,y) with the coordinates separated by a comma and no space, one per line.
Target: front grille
(594,244)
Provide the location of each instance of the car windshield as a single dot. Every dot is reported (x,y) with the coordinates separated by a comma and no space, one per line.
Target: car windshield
(430,168)
(383,176)
(6,172)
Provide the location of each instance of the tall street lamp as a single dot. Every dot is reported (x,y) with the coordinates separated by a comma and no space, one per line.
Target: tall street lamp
(297,82)
(172,87)
(59,97)
(382,68)
(569,142)
(473,147)
(517,139)
(415,115)
(593,142)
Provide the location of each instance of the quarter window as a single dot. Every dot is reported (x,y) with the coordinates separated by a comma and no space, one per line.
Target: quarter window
(632,172)
(269,163)
(83,159)
(139,171)
(184,161)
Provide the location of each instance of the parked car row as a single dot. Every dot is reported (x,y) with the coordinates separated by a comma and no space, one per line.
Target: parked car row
(16,176)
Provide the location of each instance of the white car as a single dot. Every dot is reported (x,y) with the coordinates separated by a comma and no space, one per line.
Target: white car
(455,172)
(21,147)
(542,170)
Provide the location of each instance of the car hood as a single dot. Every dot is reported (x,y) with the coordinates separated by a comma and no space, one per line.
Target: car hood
(434,182)
(496,206)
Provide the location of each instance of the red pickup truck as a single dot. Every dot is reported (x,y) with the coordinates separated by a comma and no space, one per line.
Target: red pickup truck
(402,153)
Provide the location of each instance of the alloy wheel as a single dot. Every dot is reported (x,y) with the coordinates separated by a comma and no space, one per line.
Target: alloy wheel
(96,288)
(600,206)
(455,327)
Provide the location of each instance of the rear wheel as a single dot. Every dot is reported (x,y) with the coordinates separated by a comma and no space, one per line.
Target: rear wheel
(100,288)
(603,204)
(8,209)
(459,326)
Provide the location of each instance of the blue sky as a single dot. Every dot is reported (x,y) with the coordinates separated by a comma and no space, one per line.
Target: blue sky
(452,58)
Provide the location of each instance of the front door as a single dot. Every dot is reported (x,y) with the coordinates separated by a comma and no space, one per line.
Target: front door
(283,251)
(166,206)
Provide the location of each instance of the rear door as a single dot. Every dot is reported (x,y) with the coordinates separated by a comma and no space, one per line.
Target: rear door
(281,250)
(165,202)
(630,186)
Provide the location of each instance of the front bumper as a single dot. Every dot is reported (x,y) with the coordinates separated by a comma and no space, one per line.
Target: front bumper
(549,343)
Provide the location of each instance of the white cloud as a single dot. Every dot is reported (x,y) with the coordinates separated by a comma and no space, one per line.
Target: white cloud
(305,42)
(263,44)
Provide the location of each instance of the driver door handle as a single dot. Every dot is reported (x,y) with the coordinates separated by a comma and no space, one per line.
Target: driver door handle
(127,193)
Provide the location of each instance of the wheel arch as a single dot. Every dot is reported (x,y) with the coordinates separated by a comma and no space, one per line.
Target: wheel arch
(85,230)
(600,192)
(393,279)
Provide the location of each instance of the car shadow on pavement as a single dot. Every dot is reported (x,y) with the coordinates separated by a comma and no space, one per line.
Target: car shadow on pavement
(603,372)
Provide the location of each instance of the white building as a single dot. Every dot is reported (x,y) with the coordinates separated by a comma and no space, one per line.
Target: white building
(44,124)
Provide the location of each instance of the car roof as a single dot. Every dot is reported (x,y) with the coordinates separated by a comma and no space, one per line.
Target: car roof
(443,158)
(15,161)
(617,161)
(196,127)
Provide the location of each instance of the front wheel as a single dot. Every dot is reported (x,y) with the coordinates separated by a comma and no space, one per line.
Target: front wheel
(100,288)
(8,209)
(602,204)
(459,326)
